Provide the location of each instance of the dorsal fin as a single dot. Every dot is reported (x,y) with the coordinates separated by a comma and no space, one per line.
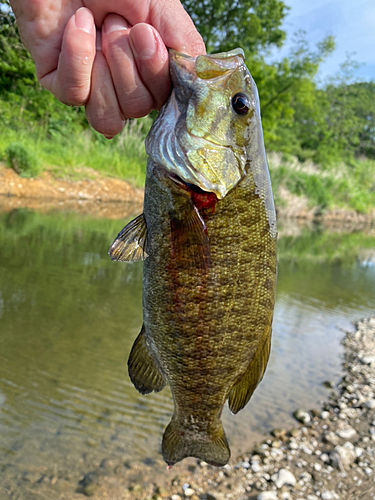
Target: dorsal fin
(130,243)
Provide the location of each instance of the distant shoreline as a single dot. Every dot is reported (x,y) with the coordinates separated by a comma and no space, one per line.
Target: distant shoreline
(106,197)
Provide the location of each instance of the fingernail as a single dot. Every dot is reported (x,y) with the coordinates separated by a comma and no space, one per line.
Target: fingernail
(84,20)
(143,41)
(114,22)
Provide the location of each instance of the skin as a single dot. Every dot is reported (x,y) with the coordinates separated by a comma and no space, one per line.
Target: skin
(110,56)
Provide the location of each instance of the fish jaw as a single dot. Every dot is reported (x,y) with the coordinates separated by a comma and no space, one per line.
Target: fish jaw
(198,136)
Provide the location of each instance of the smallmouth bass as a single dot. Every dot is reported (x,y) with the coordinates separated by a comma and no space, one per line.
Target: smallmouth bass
(207,236)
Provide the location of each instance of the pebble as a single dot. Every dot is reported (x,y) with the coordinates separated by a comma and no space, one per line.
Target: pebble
(302,416)
(346,433)
(188,492)
(175,497)
(267,495)
(370,403)
(284,476)
(368,360)
(343,456)
(255,467)
(329,495)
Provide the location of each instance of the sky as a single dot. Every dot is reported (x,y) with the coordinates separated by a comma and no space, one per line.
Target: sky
(351,22)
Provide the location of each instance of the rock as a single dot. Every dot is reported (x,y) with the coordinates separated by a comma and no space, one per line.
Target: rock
(175,497)
(285,495)
(329,495)
(293,445)
(370,403)
(324,415)
(343,456)
(136,489)
(209,496)
(346,433)
(331,438)
(189,492)
(89,489)
(161,491)
(328,384)
(255,467)
(267,495)
(89,484)
(279,433)
(368,360)
(284,476)
(302,416)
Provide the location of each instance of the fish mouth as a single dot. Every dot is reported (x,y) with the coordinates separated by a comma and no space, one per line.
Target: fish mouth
(200,198)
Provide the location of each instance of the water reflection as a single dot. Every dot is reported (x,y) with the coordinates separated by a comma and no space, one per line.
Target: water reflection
(69,317)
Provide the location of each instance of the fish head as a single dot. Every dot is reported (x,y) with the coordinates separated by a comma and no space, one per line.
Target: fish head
(203,134)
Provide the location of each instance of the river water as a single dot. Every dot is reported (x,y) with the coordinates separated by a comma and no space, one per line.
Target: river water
(69,316)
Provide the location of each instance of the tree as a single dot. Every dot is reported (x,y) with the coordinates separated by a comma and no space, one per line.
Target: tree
(253,25)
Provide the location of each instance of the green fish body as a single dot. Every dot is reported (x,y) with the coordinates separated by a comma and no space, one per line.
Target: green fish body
(208,238)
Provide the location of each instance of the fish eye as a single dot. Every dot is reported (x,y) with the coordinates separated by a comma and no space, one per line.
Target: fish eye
(241,104)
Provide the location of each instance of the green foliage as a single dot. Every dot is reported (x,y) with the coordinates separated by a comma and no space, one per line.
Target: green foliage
(225,24)
(349,186)
(22,160)
(327,125)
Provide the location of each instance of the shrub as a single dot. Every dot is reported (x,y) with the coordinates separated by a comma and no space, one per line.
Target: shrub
(22,160)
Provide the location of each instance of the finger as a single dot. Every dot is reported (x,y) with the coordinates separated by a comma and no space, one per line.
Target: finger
(133,96)
(71,81)
(151,57)
(168,17)
(102,108)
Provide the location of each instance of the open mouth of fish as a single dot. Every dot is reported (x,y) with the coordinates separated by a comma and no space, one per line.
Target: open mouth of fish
(202,199)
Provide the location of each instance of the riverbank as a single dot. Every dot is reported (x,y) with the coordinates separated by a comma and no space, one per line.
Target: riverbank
(94,193)
(330,455)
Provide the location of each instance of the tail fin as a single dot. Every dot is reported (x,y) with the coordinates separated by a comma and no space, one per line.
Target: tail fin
(179,443)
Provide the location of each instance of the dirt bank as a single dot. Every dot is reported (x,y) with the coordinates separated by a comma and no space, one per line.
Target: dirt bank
(94,194)
(107,197)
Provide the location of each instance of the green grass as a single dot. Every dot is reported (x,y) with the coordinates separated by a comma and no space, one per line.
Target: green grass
(123,157)
(349,186)
(68,153)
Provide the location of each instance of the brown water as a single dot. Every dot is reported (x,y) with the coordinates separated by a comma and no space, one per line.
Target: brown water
(69,316)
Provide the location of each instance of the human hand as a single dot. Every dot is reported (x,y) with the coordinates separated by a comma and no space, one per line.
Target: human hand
(109,55)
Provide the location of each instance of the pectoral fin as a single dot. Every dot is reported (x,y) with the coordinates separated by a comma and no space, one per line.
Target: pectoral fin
(190,242)
(143,369)
(130,243)
(242,391)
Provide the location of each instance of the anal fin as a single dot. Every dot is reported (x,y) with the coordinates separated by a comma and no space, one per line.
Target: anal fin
(242,391)
(143,369)
(130,243)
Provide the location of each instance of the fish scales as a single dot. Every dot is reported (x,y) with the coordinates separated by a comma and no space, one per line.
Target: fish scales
(210,261)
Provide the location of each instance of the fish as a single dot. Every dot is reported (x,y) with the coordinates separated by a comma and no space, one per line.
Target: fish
(207,236)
